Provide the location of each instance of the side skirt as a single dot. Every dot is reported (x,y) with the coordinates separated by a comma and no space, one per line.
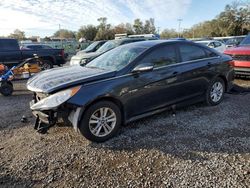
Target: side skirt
(173,107)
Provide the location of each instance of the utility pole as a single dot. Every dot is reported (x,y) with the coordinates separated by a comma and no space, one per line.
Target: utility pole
(179,28)
(158,30)
(60,35)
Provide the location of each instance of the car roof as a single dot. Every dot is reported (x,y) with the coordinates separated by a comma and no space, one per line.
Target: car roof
(151,43)
(130,39)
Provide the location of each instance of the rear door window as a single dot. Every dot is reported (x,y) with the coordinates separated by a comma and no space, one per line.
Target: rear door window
(191,52)
(162,56)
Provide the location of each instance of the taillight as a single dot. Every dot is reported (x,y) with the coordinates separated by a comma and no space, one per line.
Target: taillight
(62,53)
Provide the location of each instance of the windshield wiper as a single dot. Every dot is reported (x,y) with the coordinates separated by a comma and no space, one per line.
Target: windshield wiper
(93,67)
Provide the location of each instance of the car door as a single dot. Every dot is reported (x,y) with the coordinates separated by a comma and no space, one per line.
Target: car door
(197,68)
(157,88)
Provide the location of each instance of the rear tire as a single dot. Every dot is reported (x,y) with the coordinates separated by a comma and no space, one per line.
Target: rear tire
(215,92)
(6,89)
(101,121)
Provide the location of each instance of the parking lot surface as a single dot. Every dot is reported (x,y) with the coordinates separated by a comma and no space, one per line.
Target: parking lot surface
(199,146)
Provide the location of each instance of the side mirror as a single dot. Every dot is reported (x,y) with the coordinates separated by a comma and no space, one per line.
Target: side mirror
(145,67)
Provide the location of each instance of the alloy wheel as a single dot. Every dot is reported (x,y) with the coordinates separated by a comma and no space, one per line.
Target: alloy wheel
(216,92)
(102,122)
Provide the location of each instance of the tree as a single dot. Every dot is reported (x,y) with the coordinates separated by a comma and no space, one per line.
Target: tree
(18,34)
(124,28)
(169,33)
(129,29)
(47,39)
(234,20)
(149,26)
(119,29)
(88,32)
(105,32)
(64,33)
(138,26)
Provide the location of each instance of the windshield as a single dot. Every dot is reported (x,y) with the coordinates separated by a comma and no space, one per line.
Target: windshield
(108,46)
(231,41)
(92,46)
(117,58)
(246,41)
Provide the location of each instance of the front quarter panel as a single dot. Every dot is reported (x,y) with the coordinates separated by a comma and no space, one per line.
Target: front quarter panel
(106,88)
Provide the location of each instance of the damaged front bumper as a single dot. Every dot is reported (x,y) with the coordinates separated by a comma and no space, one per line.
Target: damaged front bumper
(48,118)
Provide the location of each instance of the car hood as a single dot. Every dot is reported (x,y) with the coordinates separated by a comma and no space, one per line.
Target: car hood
(52,80)
(81,52)
(241,50)
(86,55)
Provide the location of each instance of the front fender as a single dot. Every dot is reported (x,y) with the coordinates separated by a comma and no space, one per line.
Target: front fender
(90,93)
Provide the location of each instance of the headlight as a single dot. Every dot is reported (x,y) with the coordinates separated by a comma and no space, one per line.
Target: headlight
(55,100)
(75,61)
(83,62)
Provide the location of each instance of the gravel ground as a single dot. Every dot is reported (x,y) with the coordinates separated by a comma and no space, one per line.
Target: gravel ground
(200,146)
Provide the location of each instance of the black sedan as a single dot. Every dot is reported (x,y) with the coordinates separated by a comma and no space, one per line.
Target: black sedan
(127,83)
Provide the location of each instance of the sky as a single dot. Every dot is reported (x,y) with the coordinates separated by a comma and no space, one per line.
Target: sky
(43,17)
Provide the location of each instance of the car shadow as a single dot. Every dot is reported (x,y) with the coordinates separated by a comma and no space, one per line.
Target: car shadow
(13,108)
(239,90)
(189,133)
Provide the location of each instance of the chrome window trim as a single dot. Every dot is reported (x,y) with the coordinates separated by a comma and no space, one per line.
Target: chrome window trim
(129,74)
(187,62)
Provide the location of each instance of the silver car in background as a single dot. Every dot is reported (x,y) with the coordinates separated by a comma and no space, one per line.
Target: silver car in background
(217,45)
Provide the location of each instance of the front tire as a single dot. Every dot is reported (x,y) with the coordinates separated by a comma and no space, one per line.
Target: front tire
(215,92)
(6,88)
(101,121)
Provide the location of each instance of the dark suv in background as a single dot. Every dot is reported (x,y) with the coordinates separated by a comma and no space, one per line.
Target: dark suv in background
(129,82)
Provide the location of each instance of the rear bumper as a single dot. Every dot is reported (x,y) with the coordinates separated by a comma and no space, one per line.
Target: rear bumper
(242,71)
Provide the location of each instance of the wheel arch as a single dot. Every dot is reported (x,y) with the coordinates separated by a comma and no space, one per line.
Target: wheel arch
(106,98)
(49,58)
(225,81)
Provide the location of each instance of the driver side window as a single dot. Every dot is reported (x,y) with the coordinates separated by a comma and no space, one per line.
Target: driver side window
(161,56)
